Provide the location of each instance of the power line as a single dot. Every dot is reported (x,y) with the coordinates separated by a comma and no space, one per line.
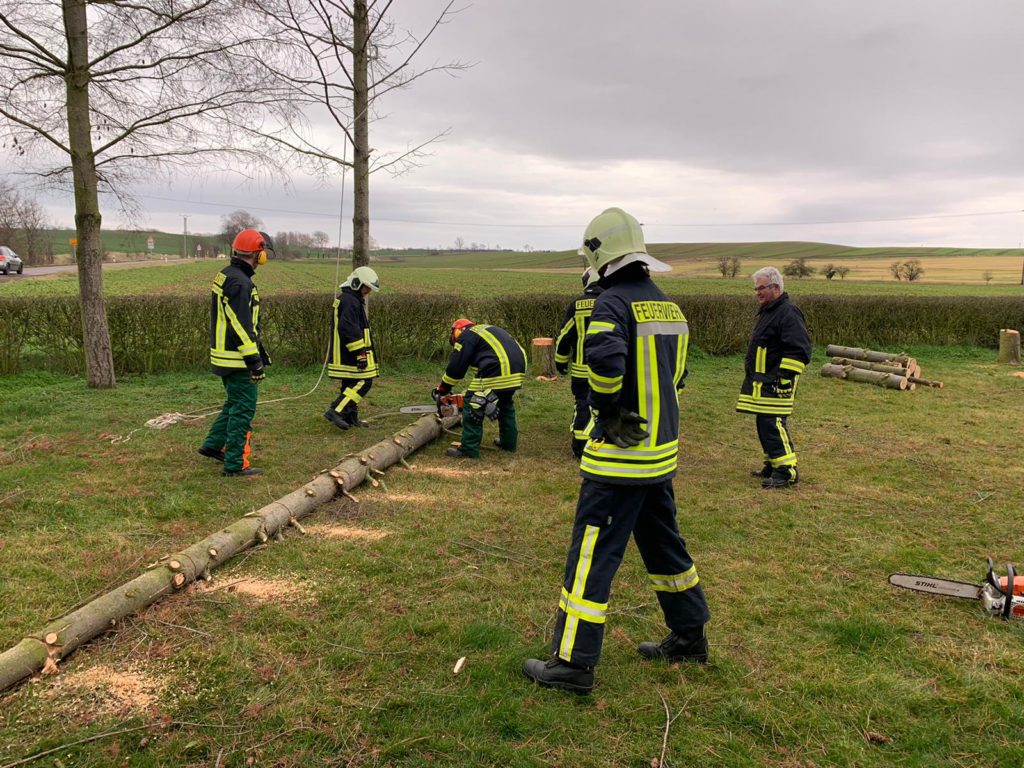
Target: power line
(575,225)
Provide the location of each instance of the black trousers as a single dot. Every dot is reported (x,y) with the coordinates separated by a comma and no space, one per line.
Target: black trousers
(352,393)
(580,415)
(606,515)
(775,441)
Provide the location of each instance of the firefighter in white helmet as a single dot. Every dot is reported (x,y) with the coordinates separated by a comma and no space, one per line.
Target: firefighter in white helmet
(635,348)
(352,359)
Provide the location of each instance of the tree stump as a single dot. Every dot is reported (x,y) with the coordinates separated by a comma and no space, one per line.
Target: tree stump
(1009,346)
(542,357)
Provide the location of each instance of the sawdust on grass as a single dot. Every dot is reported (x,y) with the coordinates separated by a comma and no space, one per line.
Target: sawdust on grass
(104,690)
(347,532)
(264,590)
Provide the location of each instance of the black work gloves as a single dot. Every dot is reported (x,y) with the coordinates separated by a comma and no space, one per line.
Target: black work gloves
(623,428)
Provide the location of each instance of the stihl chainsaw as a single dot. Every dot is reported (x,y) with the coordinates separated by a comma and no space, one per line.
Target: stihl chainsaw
(1000,595)
(446,405)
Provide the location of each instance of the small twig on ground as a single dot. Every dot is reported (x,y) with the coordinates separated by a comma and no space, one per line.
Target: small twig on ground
(981,496)
(220,757)
(16,493)
(490,553)
(278,736)
(502,549)
(179,626)
(668,724)
(363,650)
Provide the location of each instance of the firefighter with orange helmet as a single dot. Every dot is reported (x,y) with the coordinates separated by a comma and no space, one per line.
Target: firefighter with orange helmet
(498,364)
(237,354)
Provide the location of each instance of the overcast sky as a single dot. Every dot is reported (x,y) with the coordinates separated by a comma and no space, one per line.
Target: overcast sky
(864,122)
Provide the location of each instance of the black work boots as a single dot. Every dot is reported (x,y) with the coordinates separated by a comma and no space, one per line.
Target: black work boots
(678,648)
(781,477)
(764,472)
(555,673)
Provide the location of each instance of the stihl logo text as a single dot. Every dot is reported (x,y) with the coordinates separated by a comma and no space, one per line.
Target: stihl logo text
(931,584)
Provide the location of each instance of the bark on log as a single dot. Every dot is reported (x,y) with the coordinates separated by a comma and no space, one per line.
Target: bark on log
(880,367)
(40,651)
(542,357)
(1009,346)
(848,372)
(872,356)
(925,382)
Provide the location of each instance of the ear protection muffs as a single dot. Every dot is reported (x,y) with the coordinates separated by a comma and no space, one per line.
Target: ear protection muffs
(261,258)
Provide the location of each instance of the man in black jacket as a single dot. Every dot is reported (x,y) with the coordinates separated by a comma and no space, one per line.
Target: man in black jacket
(352,357)
(780,347)
(636,348)
(499,367)
(569,356)
(236,352)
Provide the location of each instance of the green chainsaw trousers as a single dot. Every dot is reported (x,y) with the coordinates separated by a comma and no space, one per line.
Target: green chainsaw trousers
(231,431)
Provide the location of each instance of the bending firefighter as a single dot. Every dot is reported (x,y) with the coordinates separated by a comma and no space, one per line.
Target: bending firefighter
(636,348)
(498,367)
(236,352)
(352,359)
(569,356)
(779,349)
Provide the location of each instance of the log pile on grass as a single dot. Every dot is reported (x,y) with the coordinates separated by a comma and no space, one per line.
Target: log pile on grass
(888,370)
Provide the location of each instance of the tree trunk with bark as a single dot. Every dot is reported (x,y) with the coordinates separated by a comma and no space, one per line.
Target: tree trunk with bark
(857,353)
(99,358)
(1009,346)
(542,357)
(862,376)
(41,651)
(361,145)
(880,367)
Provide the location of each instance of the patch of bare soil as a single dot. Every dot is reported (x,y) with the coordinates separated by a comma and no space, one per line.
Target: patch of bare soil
(347,532)
(265,590)
(453,471)
(104,690)
(411,498)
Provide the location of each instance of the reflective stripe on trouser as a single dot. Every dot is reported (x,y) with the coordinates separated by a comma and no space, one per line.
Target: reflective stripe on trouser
(473,429)
(775,440)
(232,429)
(580,415)
(606,515)
(352,393)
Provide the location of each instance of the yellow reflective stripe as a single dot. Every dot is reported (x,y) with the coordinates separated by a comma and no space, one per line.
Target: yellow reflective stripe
(792,365)
(604,388)
(761,360)
(449,380)
(247,346)
(634,473)
(559,358)
(352,346)
(647,385)
(636,452)
(783,461)
(579,585)
(564,357)
(495,345)
(513,381)
(598,326)
(679,582)
(587,610)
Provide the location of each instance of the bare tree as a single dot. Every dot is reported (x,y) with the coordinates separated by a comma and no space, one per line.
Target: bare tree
(830,270)
(233,223)
(729,266)
(896,269)
(97,93)
(912,270)
(842,272)
(344,57)
(22,226)
(798,268)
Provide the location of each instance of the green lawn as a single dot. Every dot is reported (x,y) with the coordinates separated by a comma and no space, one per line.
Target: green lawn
(185,278)
(815,659)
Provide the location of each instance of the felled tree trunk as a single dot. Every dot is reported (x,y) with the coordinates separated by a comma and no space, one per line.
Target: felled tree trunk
(878,378)
(1009,346)
(41,651)
(925,382)
(542,357)
(880,367)
(856,353)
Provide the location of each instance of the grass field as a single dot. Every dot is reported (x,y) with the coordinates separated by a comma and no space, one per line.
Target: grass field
(337,648)
(191,277)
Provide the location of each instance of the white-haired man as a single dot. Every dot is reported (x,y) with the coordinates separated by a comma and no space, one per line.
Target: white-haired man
(780,347)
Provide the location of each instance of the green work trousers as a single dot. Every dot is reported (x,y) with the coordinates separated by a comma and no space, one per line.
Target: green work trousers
(473,425)
(232,429)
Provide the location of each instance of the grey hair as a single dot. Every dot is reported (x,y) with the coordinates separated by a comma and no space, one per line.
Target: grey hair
(773,275)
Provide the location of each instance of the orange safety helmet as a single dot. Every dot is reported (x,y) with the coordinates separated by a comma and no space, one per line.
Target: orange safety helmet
(457,328)
(252,241)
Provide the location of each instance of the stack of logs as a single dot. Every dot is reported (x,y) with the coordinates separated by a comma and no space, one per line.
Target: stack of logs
(883,369)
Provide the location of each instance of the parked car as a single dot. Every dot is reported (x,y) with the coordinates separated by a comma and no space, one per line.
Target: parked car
(10,261)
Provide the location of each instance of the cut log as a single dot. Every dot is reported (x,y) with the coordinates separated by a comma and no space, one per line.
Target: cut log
(925,382)
(862,376)
(542,357)
(1009,346)
(56,641)
(880,367)
(872,356)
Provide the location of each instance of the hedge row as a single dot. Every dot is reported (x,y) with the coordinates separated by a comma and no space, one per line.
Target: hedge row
(155,333)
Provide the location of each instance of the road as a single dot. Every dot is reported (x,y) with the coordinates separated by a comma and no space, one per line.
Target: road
(43,271)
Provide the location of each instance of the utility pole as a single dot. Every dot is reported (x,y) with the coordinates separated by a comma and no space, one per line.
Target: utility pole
(1022,262)
(184,241)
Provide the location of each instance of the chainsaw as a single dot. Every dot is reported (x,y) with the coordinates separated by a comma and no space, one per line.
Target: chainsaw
(446,405)
(1001,596)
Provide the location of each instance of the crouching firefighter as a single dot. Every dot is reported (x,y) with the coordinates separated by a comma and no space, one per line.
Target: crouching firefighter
(236,352)
(352,358)
(636,348)
(569,356)
(498,365)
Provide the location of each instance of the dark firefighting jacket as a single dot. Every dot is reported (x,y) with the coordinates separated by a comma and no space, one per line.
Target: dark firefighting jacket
(490,355)
(779,349)
(235,343)
(636,349)
(350,338)
(569,344)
